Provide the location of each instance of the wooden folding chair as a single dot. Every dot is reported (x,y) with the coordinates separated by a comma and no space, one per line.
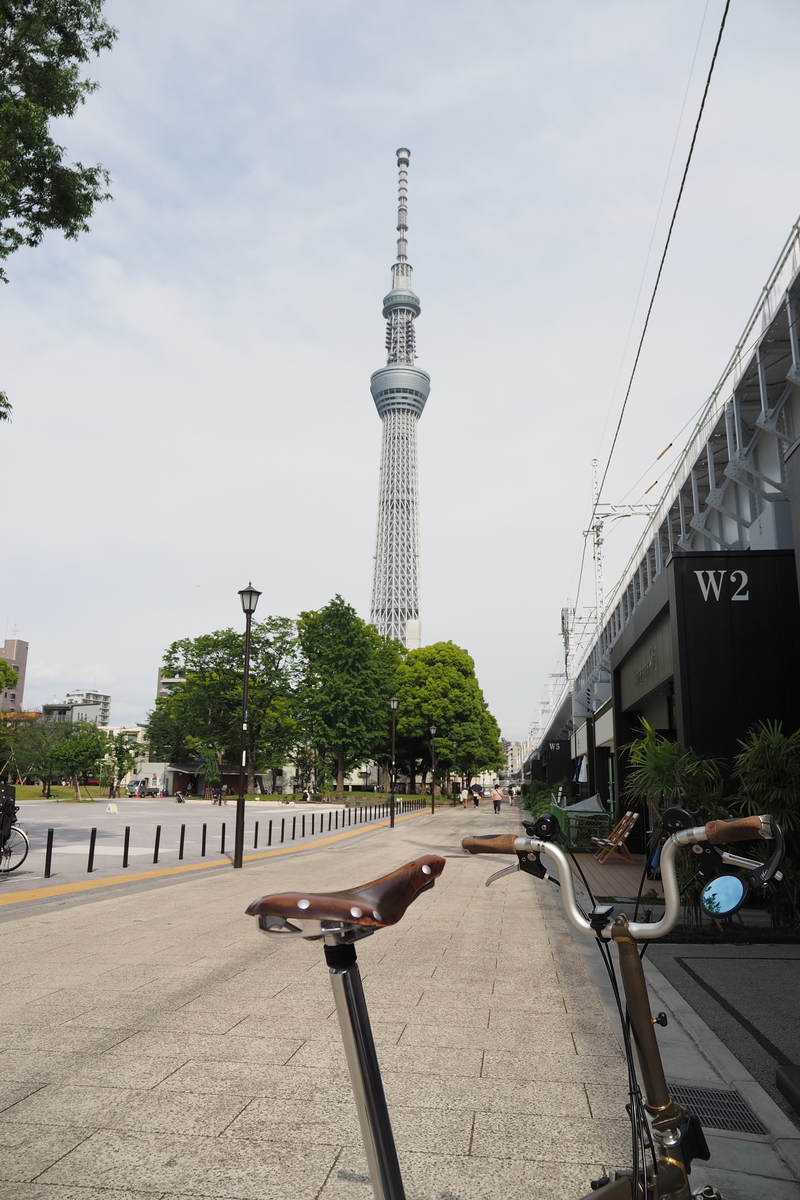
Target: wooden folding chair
(615,842)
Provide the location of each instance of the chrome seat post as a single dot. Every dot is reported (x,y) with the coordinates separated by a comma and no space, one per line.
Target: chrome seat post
(365,1075)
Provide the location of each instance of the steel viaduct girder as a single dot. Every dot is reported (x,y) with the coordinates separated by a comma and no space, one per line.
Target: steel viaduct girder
(731,470)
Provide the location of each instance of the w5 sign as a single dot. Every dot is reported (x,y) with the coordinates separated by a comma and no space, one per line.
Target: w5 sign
(734,584)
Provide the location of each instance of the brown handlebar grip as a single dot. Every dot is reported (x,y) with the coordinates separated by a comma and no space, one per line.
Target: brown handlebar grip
(501,844)
(744,829)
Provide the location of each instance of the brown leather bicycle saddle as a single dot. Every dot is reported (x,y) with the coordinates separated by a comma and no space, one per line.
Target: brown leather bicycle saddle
(376,904)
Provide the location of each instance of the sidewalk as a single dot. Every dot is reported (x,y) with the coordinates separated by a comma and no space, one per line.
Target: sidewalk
(743,1165)
(161,1047)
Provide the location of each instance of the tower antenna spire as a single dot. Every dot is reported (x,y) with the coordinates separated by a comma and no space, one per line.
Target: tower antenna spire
(399,390)
(403,156)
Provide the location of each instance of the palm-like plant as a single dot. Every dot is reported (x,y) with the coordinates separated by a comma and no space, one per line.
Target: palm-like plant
(664,772)
(769,770)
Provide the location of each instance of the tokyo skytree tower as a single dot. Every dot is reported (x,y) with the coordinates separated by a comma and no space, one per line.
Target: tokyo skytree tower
(399,390)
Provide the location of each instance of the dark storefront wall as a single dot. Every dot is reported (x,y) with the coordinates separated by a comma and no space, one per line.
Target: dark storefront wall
(712,650)
(736,626)
(556,761)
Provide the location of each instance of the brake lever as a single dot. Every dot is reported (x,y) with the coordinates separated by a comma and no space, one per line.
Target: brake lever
(499,874)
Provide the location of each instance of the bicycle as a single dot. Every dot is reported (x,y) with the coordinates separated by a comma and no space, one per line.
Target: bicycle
(666,1137)
(14,844)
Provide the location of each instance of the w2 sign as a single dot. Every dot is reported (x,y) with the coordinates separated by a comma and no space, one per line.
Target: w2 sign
(711,583)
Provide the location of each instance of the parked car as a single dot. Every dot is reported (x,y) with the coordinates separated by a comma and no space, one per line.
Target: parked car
(140,787)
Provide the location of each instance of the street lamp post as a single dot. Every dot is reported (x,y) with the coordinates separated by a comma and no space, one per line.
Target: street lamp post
(433,769)
(455,768)
(249,597)
(393,703)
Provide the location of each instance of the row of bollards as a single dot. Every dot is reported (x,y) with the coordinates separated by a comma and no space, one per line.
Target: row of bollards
(339,818)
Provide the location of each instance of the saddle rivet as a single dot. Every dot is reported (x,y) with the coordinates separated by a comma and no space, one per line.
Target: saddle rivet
(426,869)
(376,915)
(356,912)
(303,903)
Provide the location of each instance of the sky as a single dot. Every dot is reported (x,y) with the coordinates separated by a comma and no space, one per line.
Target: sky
(190,379)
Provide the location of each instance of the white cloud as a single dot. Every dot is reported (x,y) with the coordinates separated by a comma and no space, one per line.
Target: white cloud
(191,380)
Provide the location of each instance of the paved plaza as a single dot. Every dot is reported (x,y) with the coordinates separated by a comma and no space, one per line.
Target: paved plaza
(195,832)
(160,1046)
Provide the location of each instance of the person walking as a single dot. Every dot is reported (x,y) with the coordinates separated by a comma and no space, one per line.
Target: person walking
(477,792)
(464,796)
(497,796)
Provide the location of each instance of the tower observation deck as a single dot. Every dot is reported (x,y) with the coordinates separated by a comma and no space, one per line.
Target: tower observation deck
(399,390)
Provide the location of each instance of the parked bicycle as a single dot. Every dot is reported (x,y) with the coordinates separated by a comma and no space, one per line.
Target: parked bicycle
(14,843)
(666,1137)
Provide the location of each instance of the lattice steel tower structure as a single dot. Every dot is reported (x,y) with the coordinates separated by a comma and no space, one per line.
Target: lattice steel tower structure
(399,390)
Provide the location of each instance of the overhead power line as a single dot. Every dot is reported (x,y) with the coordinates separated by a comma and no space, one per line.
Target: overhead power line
(655,286)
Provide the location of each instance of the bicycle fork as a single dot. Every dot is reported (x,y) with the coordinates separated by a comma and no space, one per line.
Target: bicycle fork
(365,1076)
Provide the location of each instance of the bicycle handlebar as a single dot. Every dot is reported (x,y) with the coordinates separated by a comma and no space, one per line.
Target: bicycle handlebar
(504,843)
(744,829)
(716,832)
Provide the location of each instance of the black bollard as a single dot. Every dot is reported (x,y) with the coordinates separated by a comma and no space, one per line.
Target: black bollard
(126,846)
(294,827)
(203,842)
(183,839)
(158,843)
(92,840)
(222,840)
(303,826)
(48,854)
(269,834)
(255,837)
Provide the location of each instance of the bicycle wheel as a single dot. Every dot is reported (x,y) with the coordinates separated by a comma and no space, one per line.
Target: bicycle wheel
(15,851)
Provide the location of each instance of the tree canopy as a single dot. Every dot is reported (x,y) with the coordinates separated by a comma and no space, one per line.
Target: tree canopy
(8,676)
(348,676)
(42,45)
(203,714)
(436,685)
(79,752)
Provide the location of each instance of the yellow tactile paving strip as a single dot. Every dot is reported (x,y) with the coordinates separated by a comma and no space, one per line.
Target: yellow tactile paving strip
(67,889)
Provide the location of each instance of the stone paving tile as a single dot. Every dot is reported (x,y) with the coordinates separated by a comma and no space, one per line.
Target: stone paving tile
(65,1038)
(226,1169)
(453,1177)
(121,1108)
(12,1092)
(114,1070)
(488,1095)
(552,1138)
(168,1044)
(27,1150)
(38,1191)
(546,1064)
(246,1079)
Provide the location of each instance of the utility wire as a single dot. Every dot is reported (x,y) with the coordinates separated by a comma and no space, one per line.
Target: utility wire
(655,288)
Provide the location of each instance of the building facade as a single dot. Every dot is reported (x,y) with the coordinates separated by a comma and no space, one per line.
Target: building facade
(81,698)
(400,390)
(15,654)
(700,636)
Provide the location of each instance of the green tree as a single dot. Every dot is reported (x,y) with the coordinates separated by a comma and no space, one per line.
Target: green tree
(436,685)
(8,676)
(80,752)
(209,764)
(205,709)
(42,45)
(347,679)
(34,743)
(123,753)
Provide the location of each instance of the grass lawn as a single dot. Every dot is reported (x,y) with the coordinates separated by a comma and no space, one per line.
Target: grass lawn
(65,796)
